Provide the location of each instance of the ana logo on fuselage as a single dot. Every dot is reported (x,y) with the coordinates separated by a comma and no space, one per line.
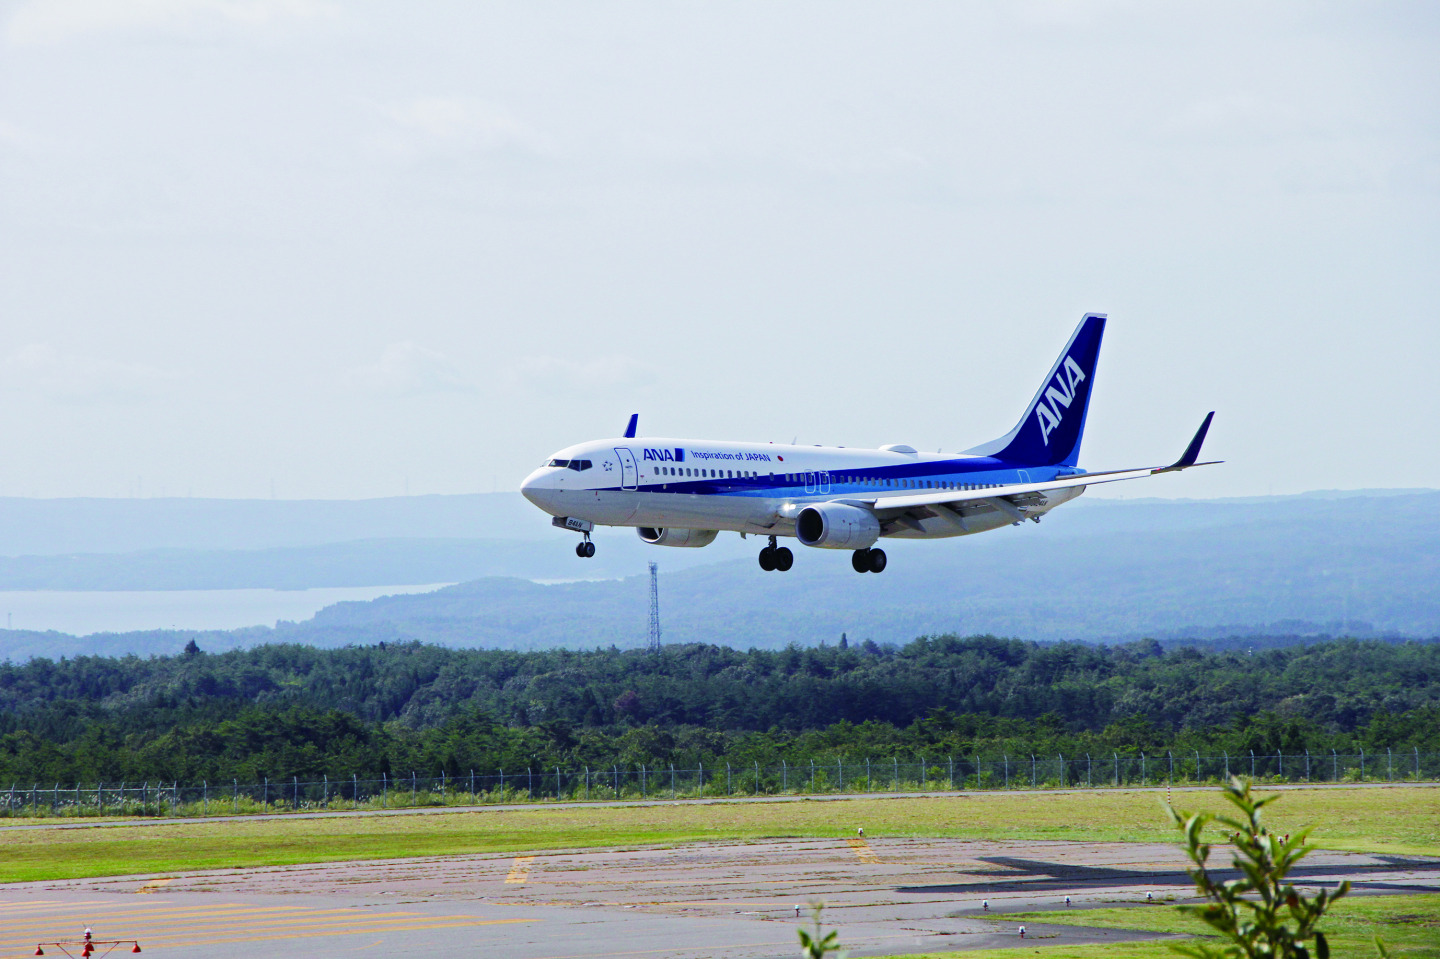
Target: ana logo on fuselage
(1058,398)
(676,455)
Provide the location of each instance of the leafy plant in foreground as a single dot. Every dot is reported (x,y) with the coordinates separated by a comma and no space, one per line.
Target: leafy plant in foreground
(1255,911)
(818,946)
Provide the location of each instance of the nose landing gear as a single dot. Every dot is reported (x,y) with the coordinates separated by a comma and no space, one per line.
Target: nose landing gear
(868,561)
(585,549)
(775,557)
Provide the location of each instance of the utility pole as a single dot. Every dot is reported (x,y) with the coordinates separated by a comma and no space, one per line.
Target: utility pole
(654,642)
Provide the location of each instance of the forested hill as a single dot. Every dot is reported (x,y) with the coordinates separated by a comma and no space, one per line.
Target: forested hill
(1324,691)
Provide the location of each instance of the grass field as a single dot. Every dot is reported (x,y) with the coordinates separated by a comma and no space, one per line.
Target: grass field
(1402,819)
(1410,926)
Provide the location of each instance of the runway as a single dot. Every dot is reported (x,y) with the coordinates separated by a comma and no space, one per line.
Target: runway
(734,900)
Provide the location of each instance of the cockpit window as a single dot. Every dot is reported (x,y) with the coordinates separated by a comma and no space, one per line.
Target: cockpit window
(576,465)
(561,464)
(579,465)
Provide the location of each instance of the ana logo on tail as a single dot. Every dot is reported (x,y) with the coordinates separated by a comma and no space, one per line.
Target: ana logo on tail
(1061,394)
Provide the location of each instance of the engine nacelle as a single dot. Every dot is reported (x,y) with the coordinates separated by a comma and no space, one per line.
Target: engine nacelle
(837,526)
(665,536)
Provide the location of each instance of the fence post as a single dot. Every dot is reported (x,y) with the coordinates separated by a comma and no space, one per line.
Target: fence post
(297,790)
(785,775)
(672,780)
(325,796)
(355,788)
(265,796)
(617,780)
(701,770)
(530,783)
(414,783)
(1144,779)
(1389,765)
(587,783)
(1252,764)
(1089,768)
(729,785)
(952,773)
(1170,781)
(1307,764)
(384,788)
(812,777)
(1197,766)
(840,773)
(1279,764)
(1063,779)
(472,785)
(557,783)
(1007,769)
(1117,768)
(895,782)
(1032,771)
(867,774)
(1362,764)
(1417,764)
(204,797)
(1227,767)
(757,778)
(1334,766)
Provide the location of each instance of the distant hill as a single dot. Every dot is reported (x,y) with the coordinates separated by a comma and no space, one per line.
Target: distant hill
(1102,571)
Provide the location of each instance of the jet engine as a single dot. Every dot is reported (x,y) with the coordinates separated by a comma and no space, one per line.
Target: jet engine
(837,526)
(665,536)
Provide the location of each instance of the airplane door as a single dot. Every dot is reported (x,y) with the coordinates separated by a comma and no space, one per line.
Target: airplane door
(629,474)
(824,481)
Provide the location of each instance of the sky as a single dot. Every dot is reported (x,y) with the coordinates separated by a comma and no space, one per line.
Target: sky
(314,249)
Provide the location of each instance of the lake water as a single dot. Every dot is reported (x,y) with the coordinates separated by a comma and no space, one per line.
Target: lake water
(83,613)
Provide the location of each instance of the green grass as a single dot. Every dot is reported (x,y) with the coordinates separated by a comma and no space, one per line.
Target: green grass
(1410,926)
(1403,819)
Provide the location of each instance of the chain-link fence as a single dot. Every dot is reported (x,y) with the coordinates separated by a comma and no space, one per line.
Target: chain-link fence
(642,782)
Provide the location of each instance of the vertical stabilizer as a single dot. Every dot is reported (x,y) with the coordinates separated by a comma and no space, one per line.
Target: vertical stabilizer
(1049,433)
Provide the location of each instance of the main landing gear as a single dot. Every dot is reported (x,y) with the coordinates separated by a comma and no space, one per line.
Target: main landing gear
(585,549)
(868,560)
(775,557)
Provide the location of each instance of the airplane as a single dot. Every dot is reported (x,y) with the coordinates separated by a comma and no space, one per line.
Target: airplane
(683,493)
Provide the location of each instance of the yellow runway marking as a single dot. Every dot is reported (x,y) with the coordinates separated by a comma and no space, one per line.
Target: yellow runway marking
(862,849)
(520,871)
(154,884)
(231,923)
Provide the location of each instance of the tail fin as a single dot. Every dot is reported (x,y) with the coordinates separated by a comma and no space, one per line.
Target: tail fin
(1049,432)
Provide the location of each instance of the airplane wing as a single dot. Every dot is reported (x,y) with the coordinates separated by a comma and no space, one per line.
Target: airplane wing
(1013,499)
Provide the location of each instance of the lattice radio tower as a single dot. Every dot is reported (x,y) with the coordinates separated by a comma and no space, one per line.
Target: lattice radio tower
(653,644)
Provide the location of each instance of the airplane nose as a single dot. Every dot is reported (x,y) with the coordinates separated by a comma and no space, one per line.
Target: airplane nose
(539,488)
(531,488)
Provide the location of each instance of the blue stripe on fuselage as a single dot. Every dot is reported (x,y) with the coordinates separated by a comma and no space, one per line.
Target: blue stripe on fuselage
(967,472)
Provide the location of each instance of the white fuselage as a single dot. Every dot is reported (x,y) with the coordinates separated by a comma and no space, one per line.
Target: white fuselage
(759,488)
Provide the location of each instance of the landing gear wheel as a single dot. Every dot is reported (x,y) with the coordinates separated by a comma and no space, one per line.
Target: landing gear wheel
(580,550)
(877,560)
(589,549)
(767,559)
(860,561)
(784,559)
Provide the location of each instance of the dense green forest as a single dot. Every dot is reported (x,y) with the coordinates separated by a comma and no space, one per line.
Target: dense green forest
(290,710)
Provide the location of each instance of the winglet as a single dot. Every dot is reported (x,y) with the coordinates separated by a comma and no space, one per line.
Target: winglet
(1192,452)
(635,418)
